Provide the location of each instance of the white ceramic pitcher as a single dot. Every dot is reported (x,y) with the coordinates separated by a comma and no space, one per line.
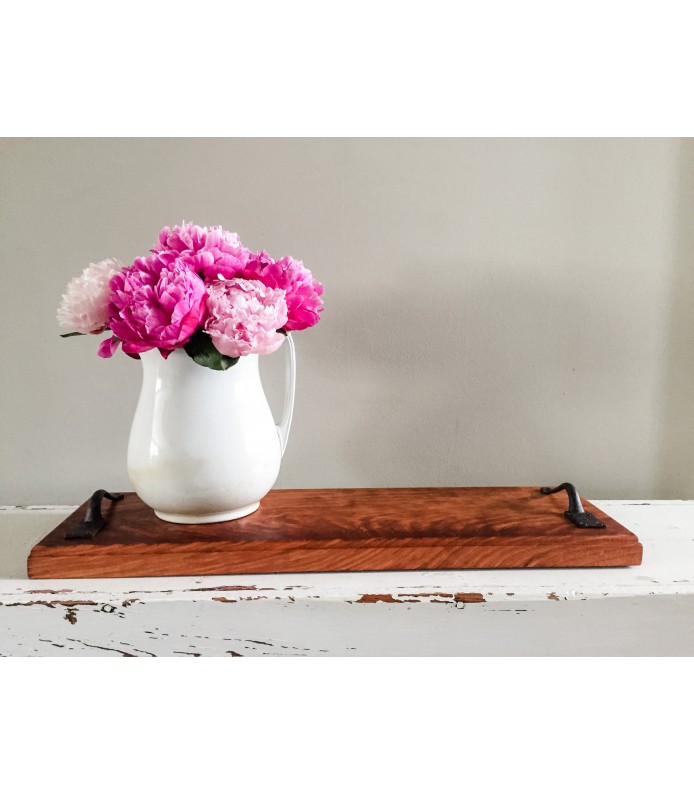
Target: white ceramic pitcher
(204,446)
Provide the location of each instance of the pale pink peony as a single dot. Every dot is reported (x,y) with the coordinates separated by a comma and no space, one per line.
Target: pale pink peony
(302,291)
(244,317)
(209,252)
(154,304)
(84,307)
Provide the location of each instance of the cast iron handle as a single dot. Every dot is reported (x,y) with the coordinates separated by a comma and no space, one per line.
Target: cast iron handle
(576,514)
(93,520)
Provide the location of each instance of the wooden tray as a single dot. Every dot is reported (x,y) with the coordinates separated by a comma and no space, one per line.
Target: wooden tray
(352,529)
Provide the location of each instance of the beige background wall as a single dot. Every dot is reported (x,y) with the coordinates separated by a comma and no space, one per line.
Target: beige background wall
(498,311)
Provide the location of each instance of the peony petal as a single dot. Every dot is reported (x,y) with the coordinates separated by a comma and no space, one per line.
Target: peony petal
(108,347)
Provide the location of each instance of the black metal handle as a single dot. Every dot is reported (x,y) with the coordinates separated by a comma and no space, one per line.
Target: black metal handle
(576,513)
(93,520)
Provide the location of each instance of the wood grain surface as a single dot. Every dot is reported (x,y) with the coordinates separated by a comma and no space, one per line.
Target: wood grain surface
(352,529)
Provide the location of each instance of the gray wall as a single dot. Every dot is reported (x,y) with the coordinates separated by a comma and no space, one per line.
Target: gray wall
(497,311)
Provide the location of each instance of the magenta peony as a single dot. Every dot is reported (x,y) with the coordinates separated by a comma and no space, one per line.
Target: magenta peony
(84,307)
(154,303)
(302,291)
(244,317)
(209,252)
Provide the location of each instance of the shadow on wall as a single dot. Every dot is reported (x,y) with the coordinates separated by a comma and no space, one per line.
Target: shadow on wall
(676,465)
(486,380)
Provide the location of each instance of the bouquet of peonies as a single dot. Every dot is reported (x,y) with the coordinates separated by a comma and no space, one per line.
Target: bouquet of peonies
(199,289)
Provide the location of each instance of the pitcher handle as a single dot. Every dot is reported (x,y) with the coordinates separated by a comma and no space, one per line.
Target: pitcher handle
(289,391)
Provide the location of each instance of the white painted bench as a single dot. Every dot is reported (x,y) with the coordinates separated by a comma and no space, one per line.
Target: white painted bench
(645,610)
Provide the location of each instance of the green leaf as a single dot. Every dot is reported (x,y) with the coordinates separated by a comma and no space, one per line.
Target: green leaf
(73,333)
(200,348)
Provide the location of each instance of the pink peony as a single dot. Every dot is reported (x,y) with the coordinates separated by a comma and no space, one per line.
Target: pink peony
(186,237)
(209,252)
(84,307)
(244,317)
(154,303)
(302,292)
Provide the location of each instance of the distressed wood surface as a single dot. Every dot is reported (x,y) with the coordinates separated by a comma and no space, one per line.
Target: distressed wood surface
(646,610)
(344,530)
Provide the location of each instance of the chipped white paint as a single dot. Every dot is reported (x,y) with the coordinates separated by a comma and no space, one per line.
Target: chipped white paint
(645,610)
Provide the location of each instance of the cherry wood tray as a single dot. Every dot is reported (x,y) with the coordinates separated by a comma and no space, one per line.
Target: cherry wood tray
(351,529)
